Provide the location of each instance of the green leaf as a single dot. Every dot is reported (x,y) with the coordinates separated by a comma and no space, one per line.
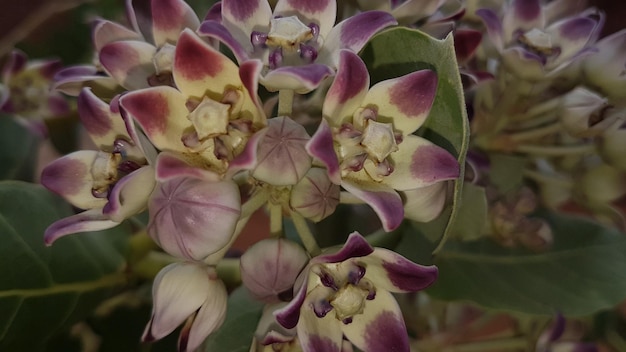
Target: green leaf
(583,272)
(242,317)
(18,150)
(506,171)
(401,50)
(44,289)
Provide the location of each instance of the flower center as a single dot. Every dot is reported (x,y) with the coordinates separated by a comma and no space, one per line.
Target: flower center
(379,140)
(210,118)
(349,301)
(108,168)
(539,42)
(290,41)
(288,33)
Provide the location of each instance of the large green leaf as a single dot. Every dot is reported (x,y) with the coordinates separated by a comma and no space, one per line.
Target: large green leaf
(401,50)
(18,150)
(43,289)
(583,272)
(242,318)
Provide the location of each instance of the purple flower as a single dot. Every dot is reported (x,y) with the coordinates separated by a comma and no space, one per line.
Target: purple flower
(209,119)
(367,144)
(531,45)
(296,41)
(348,293)
(112,183)
(136,57)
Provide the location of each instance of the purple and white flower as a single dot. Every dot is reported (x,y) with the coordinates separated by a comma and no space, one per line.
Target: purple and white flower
(367,144)
(296,41)
(349,293)
(533,47)
(112,183)
(189,293)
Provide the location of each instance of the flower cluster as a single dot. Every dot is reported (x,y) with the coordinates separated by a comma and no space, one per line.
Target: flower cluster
(183,133)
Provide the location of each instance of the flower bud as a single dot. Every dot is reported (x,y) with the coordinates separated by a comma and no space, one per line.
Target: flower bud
(192,217)
(315,197)
(270,267)
(583,113)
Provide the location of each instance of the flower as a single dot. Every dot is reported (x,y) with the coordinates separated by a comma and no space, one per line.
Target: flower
(112,183)
(209,119)
(366,141)
(25,90)
(297,42)
(534,48)
(188,292)
(605,68)
(348,293)
(134,58)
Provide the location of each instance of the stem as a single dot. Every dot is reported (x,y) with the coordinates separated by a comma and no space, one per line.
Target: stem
(535,133)
(276,220)
(545,178)
(517,343)
(349,198)
(228,270)
(285,102)
(305,234)
(540,150)
(254,203)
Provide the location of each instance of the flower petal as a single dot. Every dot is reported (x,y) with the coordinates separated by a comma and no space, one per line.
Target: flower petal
(169,166)
(216,30)
(348,89)
(418,163)
(380,327)
(198,68)
(192,218)
(522,15)
(72,79)
(211,315)
(105,32)
(178,291)
(130,194)
(424,204)
(241,17)
(466,41)
(523,63)
(301,79)
(321,12)
(70,177)
(318,334)
(129,62)
(169,18)
(247,160)
(384,200)
(389,271)
(411,11)
(161,113)
(493,25)
(103,126)
(289,315)
(355,247)
(353,33)
(249,73)
(404,101)
(571,35)
(90,220)
(282,157)
(320,146)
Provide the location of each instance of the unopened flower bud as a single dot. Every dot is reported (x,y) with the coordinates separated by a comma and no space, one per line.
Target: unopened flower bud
(315,197)
(270,267)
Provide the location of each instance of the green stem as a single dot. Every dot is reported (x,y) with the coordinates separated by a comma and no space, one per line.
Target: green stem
(228,270)
(546,178)
(106,281)
(254,203)
(512,344)
(535,133)
(554,151)
(276,220)
(285,102)
(308,240)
